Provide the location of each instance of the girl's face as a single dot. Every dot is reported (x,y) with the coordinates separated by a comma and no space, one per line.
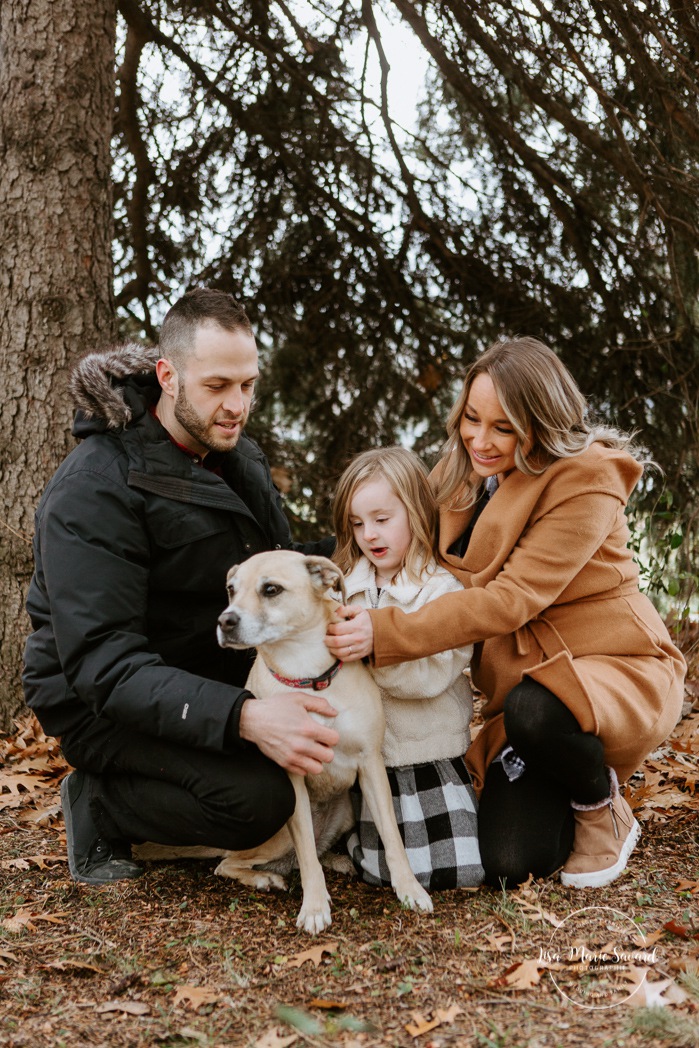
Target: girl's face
(486,431)
(380,525)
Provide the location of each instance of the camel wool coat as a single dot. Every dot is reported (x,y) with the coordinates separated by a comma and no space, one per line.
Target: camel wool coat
(551,592)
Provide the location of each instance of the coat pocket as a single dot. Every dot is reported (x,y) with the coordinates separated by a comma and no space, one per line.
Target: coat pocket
(174,524)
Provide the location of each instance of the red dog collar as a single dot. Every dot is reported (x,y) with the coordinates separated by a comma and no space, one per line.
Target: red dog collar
(315,683)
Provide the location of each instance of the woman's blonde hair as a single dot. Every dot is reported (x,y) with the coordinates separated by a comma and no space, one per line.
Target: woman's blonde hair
(407,477)
(542,401)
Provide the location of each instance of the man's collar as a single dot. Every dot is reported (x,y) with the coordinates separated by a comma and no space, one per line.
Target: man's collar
(207,461)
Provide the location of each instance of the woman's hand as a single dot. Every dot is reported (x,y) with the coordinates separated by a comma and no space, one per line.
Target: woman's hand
(353,638)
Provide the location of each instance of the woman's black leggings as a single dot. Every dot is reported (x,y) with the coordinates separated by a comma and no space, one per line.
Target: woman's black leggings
(526,826)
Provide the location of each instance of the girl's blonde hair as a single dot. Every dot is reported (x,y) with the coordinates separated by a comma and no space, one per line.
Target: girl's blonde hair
(407,477)
(542,401)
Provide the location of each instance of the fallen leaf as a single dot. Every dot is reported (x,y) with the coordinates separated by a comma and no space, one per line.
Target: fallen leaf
(128,1007)
(649,938)
(321,1002)
(13,780)
(421,1025)
(5,956)
(26,861)
(17,923)
(688,886)
(522,976)
(439,1017)
(656,994)
(535,911)
(44,816)
(275,1037)
(11,800)
(680,931)
(52,918)
(25,917)
(42,764)
(447,1015)
(194,997)
(315,954)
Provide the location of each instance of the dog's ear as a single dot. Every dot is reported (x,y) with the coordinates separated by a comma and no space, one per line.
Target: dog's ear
(326,575)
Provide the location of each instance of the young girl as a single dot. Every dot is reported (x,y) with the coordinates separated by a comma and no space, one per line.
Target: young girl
(385,522)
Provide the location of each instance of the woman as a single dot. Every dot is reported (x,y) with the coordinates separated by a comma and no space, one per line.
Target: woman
(581,678)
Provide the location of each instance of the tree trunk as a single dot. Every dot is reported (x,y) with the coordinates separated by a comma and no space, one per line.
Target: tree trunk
(56,112)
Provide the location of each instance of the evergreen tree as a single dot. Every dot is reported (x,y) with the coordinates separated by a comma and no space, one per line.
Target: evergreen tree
(547,187)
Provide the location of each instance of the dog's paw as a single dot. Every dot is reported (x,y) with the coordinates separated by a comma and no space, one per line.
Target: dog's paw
(314,919)
(262,880)
(416,899)
(338,863)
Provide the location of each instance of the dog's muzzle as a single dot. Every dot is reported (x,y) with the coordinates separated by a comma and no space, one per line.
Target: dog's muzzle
(228,626)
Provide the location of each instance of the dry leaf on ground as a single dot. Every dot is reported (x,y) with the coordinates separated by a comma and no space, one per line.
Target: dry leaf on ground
(688,886)
(71,965)
(657,994)
(193,997)
(25,917)
(322,1002)
(127,1007)
(420,1025)
(315,954)
(440,1017)
(521,976)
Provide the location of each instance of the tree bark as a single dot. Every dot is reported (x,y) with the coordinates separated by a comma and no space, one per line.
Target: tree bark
(56,114)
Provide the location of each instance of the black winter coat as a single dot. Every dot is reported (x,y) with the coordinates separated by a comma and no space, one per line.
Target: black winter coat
(132,545)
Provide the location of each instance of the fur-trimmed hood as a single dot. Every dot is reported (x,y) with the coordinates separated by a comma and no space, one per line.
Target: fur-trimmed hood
(97,383)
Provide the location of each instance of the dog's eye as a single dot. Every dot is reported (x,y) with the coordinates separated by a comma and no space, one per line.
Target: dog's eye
(270,589)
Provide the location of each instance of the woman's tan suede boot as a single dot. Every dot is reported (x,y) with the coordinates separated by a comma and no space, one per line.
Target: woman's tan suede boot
(605,835)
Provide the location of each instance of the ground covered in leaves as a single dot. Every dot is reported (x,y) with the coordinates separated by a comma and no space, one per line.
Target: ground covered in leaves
(183,958)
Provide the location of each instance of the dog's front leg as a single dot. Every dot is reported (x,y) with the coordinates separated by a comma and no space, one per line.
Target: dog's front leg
(375,787)
(315,910)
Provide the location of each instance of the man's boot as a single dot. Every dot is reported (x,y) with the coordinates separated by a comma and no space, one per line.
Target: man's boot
(92,858)
(605,835)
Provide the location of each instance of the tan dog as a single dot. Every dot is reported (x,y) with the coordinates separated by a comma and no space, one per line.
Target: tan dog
(281,603)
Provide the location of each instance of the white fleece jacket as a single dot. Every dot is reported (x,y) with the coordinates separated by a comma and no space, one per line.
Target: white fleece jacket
(428,702)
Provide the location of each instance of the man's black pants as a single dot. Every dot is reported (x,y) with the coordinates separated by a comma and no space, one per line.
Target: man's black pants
(146,789)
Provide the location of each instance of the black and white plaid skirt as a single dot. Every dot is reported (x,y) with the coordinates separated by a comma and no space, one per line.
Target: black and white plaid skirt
(435,808)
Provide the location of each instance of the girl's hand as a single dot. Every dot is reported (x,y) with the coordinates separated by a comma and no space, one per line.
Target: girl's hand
(353,638)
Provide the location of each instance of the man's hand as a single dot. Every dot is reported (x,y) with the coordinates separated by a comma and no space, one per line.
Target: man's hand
(281,726)
(353,638)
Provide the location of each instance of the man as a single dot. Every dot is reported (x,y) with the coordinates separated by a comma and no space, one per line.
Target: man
(134,536)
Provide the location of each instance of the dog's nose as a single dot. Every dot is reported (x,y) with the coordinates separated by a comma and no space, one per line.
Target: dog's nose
(228,620)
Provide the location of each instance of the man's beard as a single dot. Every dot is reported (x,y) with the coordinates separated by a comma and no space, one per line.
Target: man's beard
(202,430)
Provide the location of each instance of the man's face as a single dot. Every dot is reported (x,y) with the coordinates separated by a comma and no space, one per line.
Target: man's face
(213,393)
